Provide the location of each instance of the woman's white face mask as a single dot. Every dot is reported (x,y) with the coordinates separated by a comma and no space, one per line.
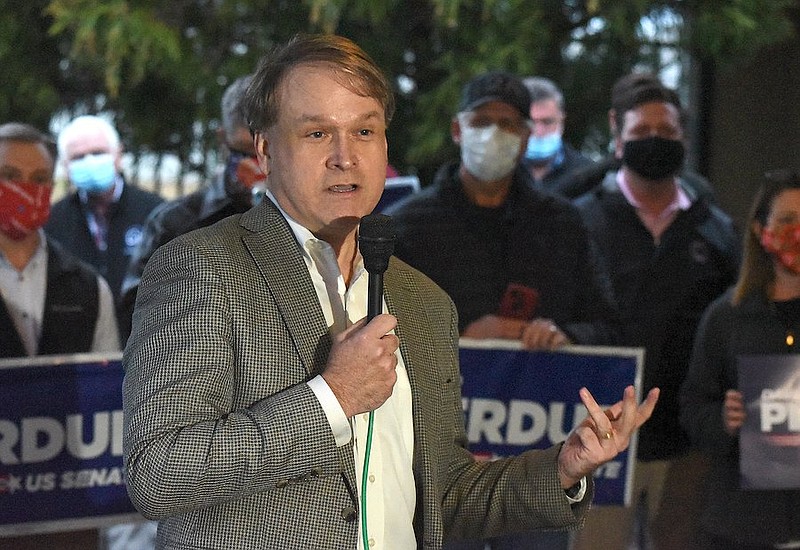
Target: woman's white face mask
(487,152)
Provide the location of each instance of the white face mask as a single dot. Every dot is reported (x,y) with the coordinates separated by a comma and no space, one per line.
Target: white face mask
(489,153)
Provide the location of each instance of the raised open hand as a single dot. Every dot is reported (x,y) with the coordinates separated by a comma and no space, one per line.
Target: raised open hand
(603,434)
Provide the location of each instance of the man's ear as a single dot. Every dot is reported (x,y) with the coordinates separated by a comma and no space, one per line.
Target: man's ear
(612,121)
(615,133)
(455,130)
(118,159)
(262,151)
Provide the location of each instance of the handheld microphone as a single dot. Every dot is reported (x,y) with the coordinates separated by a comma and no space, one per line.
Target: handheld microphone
(376,238)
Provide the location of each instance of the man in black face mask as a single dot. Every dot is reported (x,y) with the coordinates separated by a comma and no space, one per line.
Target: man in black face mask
(238,186)
(669,252)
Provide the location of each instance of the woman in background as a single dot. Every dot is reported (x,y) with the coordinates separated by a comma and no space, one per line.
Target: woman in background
(760,315)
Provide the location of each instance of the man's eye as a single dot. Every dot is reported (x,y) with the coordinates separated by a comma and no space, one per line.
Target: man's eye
(316,135)
(480,122)
(365,132)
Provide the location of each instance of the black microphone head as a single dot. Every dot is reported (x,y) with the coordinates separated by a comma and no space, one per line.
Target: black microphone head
(376,238)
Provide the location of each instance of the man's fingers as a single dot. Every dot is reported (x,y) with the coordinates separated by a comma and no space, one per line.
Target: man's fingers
(379,326)
(623,417)
(543,334)
(645,410)
(596,413)
(382,324)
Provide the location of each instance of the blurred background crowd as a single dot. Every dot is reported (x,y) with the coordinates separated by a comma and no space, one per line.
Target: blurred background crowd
(143,100)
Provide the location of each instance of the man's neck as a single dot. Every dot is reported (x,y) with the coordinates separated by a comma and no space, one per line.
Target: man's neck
(19,253)
(540,170)
(346,256)
(653,196)
(104,197)
(346,249)
(487,194)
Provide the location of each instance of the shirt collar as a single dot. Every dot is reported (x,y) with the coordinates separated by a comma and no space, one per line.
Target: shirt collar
(304,237)
(680,202)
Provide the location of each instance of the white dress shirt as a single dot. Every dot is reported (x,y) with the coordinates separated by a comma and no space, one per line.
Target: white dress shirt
(23,292)
(391,491)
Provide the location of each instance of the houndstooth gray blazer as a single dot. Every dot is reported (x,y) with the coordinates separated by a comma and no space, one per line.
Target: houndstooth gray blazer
(227,446)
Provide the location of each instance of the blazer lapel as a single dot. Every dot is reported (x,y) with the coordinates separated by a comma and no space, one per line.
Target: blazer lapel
(404,302)
(278,256)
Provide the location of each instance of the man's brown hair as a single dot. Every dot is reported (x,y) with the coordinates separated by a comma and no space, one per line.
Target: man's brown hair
(352,67)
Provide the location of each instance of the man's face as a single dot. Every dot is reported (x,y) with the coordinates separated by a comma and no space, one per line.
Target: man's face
(546,118)
(93,142)
(27,162)
(656,118)
(492,138)
(26,180)
(501,114)
(244,179)
(326,155)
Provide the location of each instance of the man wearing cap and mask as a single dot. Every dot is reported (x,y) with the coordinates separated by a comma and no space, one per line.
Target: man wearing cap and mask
(238,186)
(516,262)
(101,222)
(670,252)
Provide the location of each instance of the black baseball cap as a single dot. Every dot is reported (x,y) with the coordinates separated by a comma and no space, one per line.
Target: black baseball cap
(496,86)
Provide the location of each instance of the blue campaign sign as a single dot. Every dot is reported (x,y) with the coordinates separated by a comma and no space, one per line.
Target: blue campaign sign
(515,400)
(61,426)
(61,443)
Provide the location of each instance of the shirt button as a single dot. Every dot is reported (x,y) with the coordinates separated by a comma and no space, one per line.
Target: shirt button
(365,417)
(371,542)
(372,478)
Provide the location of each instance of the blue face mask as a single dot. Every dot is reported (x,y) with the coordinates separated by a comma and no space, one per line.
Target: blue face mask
(93,173)
(544,147)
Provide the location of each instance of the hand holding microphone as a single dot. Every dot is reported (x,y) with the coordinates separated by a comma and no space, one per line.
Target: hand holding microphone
(361,365)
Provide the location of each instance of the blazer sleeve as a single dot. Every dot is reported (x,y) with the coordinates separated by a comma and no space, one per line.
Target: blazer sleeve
(478,499)
(520,493)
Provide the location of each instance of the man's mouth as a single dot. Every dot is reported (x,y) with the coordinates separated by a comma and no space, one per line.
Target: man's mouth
(344,188)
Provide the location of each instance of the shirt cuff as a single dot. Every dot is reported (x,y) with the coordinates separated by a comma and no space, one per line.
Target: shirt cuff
(333,411)
(579,494)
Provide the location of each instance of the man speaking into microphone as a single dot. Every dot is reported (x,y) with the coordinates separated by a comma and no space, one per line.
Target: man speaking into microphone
(263,410)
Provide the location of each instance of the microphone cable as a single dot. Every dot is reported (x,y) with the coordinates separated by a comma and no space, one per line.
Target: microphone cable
(376,238)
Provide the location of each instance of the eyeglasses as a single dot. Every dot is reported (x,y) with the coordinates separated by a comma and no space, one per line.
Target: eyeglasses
(472,119)
(547,122)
